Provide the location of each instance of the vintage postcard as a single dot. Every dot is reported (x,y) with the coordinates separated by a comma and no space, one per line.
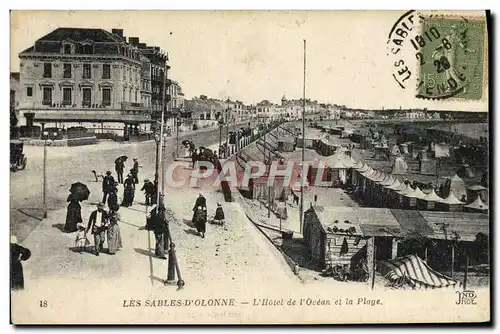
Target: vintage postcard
(249,167)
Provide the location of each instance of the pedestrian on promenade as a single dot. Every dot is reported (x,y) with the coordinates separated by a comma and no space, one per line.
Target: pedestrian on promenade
(200,220)
(18,253)
(159,225)
(135,171)
(107,182)
(200,201)
(98,221)
(113,197)
(149,192)
(194,157)
(219,215)
(81,240)
(129,191)
(73,215)
(113,232)
(119,166)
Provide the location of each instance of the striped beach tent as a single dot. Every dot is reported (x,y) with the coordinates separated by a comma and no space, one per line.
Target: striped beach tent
(411,271)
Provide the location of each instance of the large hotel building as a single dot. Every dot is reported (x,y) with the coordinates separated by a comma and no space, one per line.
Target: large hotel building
(92,78)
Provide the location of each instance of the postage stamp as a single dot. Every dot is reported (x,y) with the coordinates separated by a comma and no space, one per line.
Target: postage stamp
(451,57)
(443,55)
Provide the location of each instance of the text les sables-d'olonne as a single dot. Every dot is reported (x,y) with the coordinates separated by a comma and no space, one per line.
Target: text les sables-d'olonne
(263,302)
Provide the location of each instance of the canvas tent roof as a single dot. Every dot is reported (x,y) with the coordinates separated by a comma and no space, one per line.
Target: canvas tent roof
(337,160)
(452,199)
(478,204)
(415,272)
(476,187)
(433,197)
(407,191)
(396,185)
(387,181)
(417,193)
(457,186)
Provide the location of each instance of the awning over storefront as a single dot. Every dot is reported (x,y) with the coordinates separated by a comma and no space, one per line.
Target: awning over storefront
(68,116)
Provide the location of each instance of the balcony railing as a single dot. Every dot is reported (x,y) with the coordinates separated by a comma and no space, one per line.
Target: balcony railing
(132,106)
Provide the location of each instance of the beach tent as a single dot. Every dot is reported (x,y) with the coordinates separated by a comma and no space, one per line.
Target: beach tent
(407,198)
(476,191)
(412,272)
(428,202)
(451,203)
(477,206)
(400,166)
(395,150)
(456,186)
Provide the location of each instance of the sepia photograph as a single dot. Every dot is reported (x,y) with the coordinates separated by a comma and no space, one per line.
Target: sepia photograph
(249,167)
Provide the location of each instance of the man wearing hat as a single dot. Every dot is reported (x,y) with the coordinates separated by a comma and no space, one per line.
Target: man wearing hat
(150,192)
(97,226)
(107,183)
(135,171)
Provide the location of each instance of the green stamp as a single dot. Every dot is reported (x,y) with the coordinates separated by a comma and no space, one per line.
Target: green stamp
(450,54)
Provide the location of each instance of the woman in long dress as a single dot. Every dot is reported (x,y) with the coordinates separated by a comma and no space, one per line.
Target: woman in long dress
(18,253)
(200,220)
(74,214)
(113,233)
(129,191)
(113,198)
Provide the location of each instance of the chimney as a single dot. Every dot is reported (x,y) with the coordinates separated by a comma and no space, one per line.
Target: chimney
(157,48)
(143,45)
(133,40)
(118,32)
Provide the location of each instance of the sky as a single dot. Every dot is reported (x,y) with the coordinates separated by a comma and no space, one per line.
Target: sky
(252,56)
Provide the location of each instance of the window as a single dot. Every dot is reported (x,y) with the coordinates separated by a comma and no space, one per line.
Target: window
(86,71)
(130,74)
(136,96)
(66,97)
(67,49)
(106,71)
(88,49)
(29,91)
(87,97)
(47,96)
(47,70)
(106,96)
(67,71)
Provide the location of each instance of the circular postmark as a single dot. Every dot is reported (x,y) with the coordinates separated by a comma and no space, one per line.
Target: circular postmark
(440,55)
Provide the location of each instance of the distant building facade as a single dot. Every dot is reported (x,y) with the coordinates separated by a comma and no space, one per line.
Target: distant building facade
(158,77)
(146,98)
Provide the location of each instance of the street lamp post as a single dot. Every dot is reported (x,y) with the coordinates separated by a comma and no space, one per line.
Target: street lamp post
(227,134)
(46,137)
(157,165)
(221,124)
(45,177)
(177,123)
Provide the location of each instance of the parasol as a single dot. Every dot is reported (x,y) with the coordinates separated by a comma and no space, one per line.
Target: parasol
(80,191)
(122,158)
